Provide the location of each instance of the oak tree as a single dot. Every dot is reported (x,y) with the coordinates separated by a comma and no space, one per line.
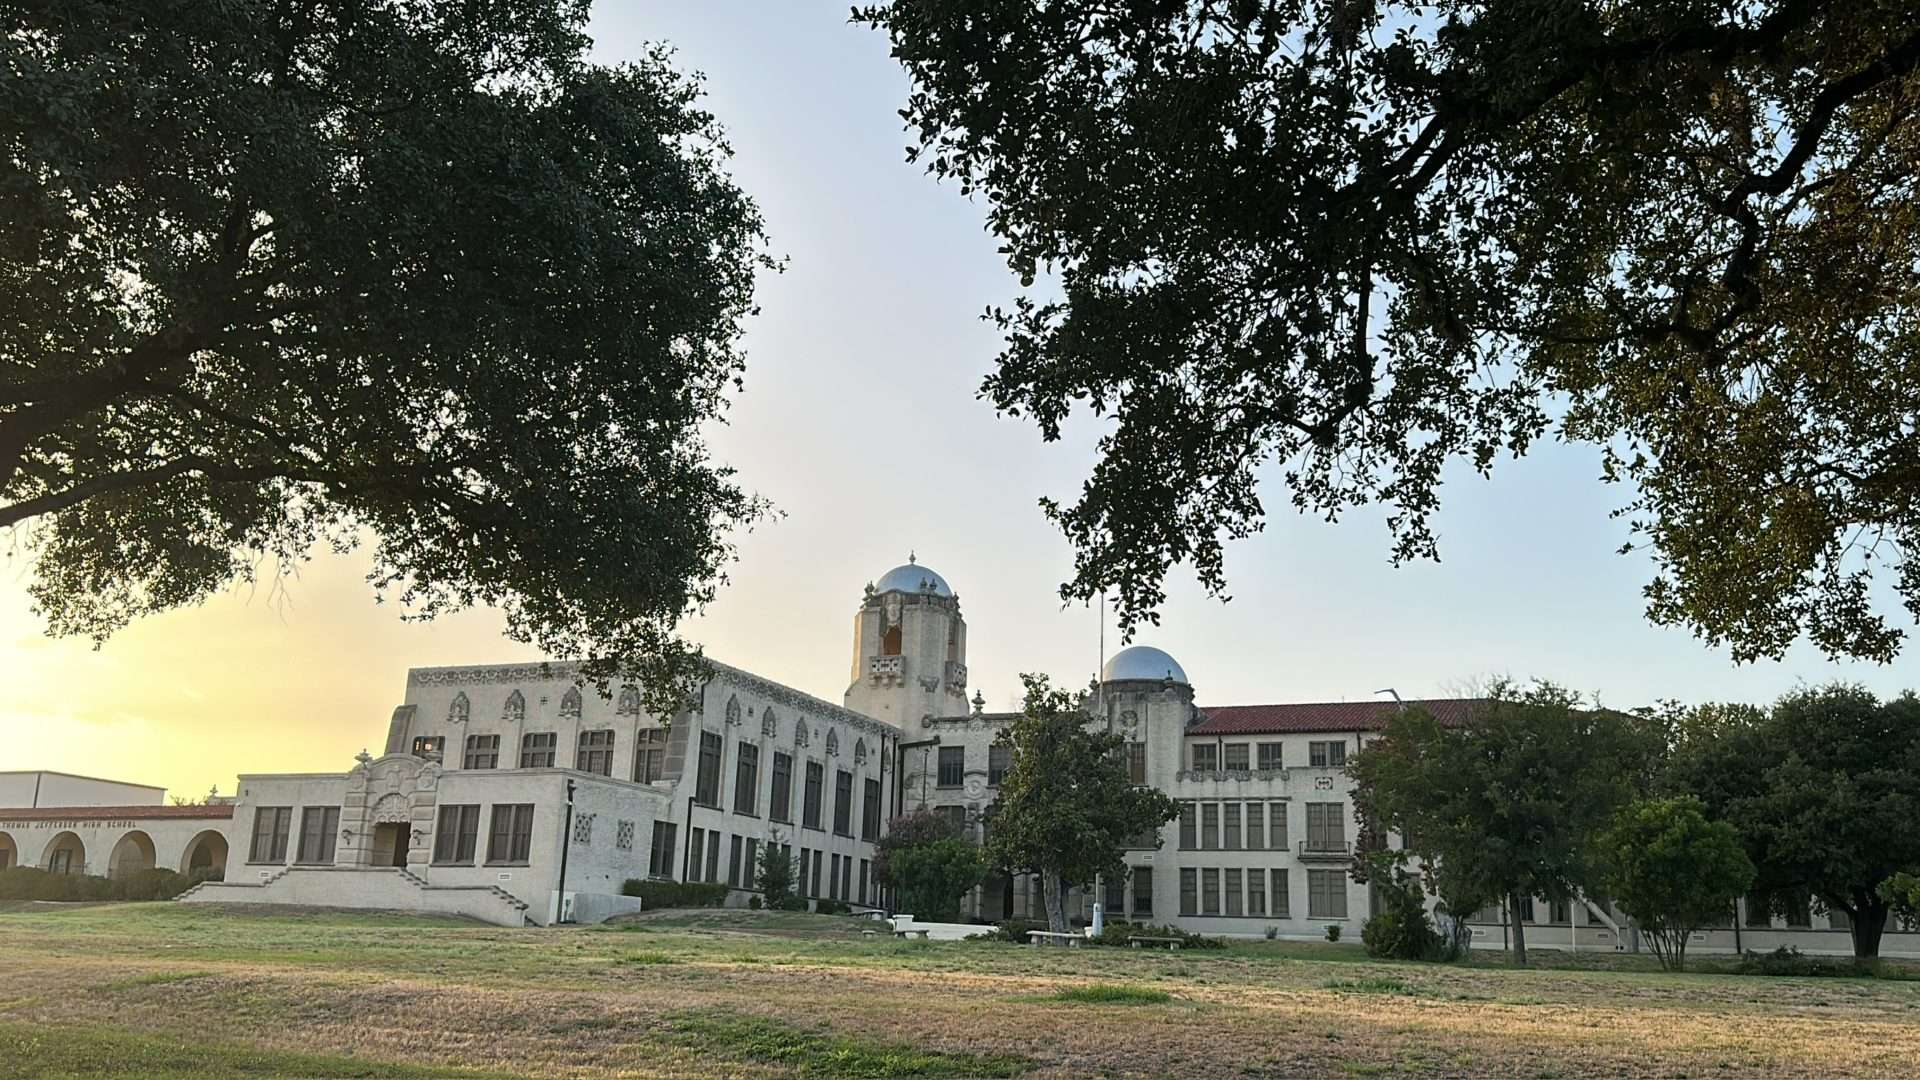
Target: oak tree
(290,274)
(1366,239)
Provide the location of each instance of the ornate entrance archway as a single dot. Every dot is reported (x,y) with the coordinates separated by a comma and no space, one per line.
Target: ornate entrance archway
(387,819)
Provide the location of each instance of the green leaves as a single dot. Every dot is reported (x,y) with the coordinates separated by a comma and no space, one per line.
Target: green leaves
(1674,871)
(1356,244)
(284,275)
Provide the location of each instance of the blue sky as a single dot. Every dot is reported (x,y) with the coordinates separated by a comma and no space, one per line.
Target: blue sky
(860,420)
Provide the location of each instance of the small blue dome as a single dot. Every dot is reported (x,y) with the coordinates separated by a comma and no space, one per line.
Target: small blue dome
(1142,662)
(912,578)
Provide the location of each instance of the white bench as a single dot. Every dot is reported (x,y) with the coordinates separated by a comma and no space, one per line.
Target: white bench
(1035,937)
(1138,941)
(903,931)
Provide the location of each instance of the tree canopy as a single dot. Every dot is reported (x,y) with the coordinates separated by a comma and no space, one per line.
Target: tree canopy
(282,275)
(1509,805)
(1370,239)
(1067,805)
(1674,871)
(1824,789)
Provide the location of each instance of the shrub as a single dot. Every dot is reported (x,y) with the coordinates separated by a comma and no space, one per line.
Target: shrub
(32,883)
(675,894)
(1787,960)
(1674,871)
(1333,932)
(1272,932)
(831,907)
(1117,932)
(1011,930)
(773,874)
(790,903)
(1400,929)
(754,902)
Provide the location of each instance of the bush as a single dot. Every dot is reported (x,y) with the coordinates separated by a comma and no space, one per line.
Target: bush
(1013,931)
(1400,929)
(32,883)
(1333,932)
(790,903)
(1272,932)
(1787,960)
(754,902)
(1116,934)
(675,894)
(773,875)
(831,907)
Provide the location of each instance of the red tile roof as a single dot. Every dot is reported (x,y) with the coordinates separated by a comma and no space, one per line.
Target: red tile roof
(113,813)
(1320,716)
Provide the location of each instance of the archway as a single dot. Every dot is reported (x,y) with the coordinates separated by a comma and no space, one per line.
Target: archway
(9,852)
(206,856)
(132,854)
(65,854)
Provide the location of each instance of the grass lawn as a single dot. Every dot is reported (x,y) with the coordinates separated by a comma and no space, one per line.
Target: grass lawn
(192,990)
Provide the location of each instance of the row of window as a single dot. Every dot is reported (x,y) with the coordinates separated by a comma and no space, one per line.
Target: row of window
(1244,757)
(835,881)
(273,825)
(1235,892)
(593,751)
(1258,826)
(509,834)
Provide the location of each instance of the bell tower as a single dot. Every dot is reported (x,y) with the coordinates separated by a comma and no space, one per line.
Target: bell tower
(909,649)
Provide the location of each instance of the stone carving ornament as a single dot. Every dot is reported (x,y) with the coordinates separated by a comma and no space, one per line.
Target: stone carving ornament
(769,724)
(515,710)
(833,743)
(629,703)
(458,711)
(570,704)
(733,711)
(859,751)
(799,733)
(392,809)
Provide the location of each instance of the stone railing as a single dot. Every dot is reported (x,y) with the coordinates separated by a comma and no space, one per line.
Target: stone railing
(885,667)
(956,674)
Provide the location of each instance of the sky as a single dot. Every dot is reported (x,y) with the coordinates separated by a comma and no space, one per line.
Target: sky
(860,419)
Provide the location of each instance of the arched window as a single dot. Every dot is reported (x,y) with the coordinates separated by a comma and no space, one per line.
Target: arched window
(890,642)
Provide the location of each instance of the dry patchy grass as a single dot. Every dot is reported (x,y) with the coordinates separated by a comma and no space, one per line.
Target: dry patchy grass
(739,994)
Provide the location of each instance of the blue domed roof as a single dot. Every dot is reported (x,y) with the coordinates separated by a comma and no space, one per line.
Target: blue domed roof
(912,578)
(1142,662)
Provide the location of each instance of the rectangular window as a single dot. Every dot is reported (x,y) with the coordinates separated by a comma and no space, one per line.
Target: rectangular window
(1277,826)
(870,811)
(833,878)
(1270,755)
(318,825)
(706,788)
(429,745)
(998,759)
(864,873)
(1206,757)
(1236,757)
(483,752)
(805,888)
(1798,915)
(699,837)
(1560,911)
(1326,826)
(842,802)
(713,855)
(1256,892)
(1209,826)
(746,778)
(953,766)
(650,755)
(660,854)
(734,851)
(1326,894)
(1526,910)
(1758,913)
(1187,815)
(510,840)
(1327,755)
(536,749)
(1256,832)
(810,804)
(957,816)
(1142,890)
(1136,763)
(1209,891)
(1282,896)
(1114,895)
(750,871)
(816,871)
(1189,891)
(270,827)
(595,753)
(1233,892)
(780,805)
(1230,838)
(458,838)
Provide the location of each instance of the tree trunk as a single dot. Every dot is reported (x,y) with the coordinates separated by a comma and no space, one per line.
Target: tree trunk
(1869,922)
(1056,897)
(1519,930)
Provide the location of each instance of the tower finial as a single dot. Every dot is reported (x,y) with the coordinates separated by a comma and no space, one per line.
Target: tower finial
(910,557)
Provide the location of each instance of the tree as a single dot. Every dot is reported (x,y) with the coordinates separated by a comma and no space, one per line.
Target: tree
(1902,891)
(774,875)
(1823,789)
(1507,805)
(932,877)
(1372,239)
(1674,871)
(282,275)
(1400,929)
(1067,805)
